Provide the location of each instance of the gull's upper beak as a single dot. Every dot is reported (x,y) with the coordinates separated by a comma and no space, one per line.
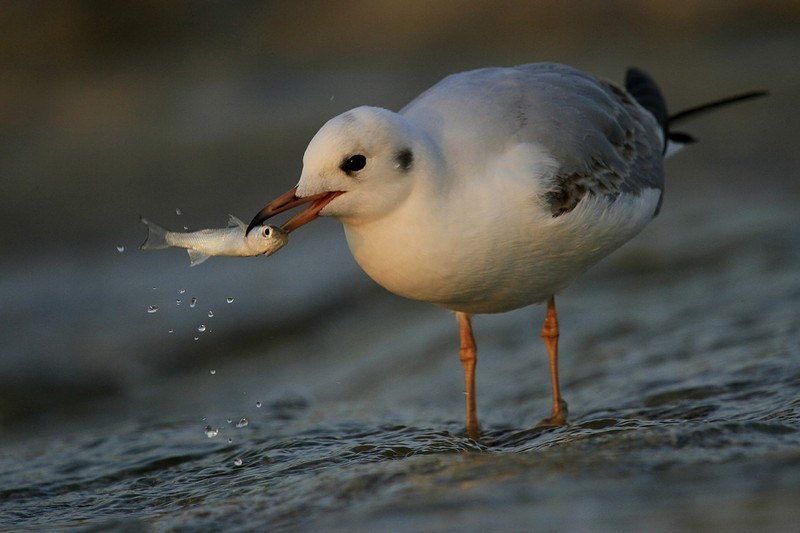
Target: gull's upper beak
(290,200)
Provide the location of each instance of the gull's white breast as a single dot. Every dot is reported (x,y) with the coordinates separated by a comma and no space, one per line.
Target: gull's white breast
(488,244)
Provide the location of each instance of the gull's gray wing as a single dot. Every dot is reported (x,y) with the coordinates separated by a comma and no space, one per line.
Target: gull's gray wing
(604,142)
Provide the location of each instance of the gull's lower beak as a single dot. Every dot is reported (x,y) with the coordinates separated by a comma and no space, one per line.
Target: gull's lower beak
(290,200)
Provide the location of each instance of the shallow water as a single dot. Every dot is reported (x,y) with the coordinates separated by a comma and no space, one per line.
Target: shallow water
(682,375)
(677,462)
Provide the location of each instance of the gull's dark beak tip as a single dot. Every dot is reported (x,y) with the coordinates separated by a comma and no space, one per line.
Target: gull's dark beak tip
(253,223)
(280,204)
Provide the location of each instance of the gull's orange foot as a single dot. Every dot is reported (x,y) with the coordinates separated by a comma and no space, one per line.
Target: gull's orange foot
(559,418)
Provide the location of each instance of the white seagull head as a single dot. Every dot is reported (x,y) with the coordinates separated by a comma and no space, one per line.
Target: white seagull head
(374,155)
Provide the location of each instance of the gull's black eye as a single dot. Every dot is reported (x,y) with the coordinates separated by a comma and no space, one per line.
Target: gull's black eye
(353,164)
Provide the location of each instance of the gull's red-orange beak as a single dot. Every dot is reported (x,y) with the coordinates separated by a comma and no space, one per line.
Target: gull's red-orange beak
(290,200)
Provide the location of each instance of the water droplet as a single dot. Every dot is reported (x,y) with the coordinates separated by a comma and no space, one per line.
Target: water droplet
(237,462)
(211,314)
(242,422)
(193,302)
(197,338)
(211,432)
(212,373)
(230,420)
(152,309)
(230,440)
(155,288)
(201,328)
(120,248)
(171,331)
(181,291)
(178,211)
(229,299)
(258,404)
(178,301)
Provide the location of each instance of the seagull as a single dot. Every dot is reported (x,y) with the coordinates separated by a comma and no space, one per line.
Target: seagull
(493,190)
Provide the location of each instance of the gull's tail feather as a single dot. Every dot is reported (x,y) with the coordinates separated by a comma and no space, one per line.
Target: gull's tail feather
(156,236)
(644,89)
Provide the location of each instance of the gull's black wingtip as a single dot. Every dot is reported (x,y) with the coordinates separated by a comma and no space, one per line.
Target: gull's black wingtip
(645,90)
(716,104)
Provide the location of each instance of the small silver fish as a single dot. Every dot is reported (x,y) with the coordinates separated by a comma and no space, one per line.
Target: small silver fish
(231,241)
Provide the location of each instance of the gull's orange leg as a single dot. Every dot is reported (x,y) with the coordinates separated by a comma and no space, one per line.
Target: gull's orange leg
(550,337)
(469,356)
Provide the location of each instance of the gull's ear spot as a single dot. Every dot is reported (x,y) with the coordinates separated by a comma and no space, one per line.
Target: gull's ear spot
(404,159)
(353,164)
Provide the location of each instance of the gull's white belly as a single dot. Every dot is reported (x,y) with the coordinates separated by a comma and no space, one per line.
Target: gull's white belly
(479,264)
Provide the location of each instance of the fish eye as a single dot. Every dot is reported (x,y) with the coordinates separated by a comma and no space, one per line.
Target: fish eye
(353,164)
(267,231)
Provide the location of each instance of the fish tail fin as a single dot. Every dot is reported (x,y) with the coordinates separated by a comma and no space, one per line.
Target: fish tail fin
(156,236)
(195,257)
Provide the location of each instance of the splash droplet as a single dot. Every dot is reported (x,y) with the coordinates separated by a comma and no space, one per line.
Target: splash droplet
(212,373)
(230,440)
(211,432)
(211,314)
(201,328)
(230,420)
(170,331)
(229,299)
(181,291)
(152,309)
(178,301)
(193,302)
(242,422)
(258,404)
(120,248)
(197,338)
(178,211)
(237,462)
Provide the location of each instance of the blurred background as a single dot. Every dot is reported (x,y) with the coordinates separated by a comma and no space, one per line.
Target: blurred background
(187,111)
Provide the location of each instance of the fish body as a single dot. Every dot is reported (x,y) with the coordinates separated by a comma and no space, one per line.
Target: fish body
(229,241)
